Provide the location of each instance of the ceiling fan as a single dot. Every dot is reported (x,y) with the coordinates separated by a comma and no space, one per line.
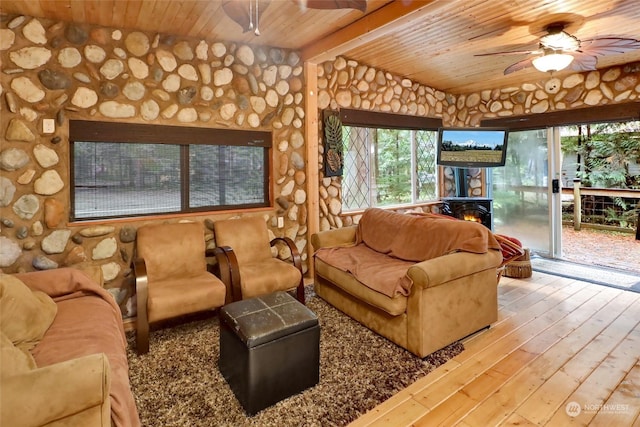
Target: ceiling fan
(247,13)
(558,50)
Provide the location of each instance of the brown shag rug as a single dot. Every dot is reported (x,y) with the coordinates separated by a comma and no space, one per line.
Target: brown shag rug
(178,383)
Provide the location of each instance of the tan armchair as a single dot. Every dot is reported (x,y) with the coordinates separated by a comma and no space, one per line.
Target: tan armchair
(172,277)
(245,259)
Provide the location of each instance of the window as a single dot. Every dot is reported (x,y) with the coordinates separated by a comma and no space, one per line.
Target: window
(391,160)
(123,170)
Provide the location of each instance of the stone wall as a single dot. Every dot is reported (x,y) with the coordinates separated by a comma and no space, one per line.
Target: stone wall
(62,71)
(348,84)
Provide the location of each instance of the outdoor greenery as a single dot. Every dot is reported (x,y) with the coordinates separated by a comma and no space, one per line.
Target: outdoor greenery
(379,167)
(607,156)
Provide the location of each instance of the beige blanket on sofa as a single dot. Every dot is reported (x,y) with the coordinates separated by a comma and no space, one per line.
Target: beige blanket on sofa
(88,321)
(388,243)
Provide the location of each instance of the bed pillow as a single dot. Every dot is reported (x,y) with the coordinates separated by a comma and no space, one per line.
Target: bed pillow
(25,315)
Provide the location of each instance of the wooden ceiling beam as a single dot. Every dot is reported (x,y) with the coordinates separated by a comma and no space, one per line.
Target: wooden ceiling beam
(376,24)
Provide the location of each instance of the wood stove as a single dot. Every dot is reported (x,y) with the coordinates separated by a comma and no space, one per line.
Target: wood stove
(478,209)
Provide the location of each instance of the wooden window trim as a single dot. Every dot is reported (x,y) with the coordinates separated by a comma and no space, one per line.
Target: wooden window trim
(375,119)
(89,131)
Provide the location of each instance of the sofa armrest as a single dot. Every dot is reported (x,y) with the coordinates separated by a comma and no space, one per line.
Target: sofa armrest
(55,392)
(337,237)
(446,268)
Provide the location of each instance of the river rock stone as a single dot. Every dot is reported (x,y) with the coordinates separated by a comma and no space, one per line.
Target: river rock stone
(186,95)
(97,231)
(94,54)
(82,77)
(45,156)
(7,38)
(37,229)
(7,190)
(139,68)
(110,271)
(593,97)
(48,184)
(134,91)
(41,262)
(202,51)
(149,110)
(19,131)
(76,34)
(56,242)
(109,90)
(116,110)
(188,72)
(183,51)
(26,177)
(10,251)
(84,97)
(187,115)
(34,32)
(69,57)
(53,212)
(171,83)
(112,68)
(105,249)
(75,256)
(300,196)
(22,232)
(137,43)
(27,90)
(166,60)
(30,57)
(222,77)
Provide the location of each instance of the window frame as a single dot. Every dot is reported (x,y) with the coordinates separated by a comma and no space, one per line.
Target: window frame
(381,120)
(182,136)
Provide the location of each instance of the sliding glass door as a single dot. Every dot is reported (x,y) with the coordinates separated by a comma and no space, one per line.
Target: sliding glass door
(525,204)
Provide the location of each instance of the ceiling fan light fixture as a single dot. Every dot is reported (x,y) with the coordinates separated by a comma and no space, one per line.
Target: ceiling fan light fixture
(552,62)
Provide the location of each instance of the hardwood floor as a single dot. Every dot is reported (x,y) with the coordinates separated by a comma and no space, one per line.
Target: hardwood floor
(562,352)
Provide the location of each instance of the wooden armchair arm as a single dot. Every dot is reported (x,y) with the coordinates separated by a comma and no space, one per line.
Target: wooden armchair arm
(229,272)
(142,294)
(297,262)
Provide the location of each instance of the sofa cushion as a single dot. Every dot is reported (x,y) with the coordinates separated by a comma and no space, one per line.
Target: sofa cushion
(25,315)
(419,238)
(14,360)
(345,281)
(382,273)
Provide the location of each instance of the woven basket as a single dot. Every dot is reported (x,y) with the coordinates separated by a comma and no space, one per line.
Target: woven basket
(520,267)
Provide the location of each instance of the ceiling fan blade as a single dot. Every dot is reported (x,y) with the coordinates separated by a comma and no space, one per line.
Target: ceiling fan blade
(608,45)
(515,52)
(520,65)
(583,62)
(360,5)
(238,11)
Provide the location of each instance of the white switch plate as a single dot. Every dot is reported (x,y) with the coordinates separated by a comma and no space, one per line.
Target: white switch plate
(280,222)
(48,126)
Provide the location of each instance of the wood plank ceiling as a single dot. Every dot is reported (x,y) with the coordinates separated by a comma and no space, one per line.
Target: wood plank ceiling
(429,41)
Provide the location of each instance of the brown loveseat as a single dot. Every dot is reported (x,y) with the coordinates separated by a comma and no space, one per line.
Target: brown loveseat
(423,282)
(63,355)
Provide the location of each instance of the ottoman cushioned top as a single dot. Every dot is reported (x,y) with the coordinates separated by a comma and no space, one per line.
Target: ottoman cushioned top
(266,318)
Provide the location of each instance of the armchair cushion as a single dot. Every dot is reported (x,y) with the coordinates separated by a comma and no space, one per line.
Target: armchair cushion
(249,238)
(266,276)
(177,297)
(25,315)
(172,250)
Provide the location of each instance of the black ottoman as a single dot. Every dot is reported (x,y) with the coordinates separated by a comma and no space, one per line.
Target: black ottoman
(269,349)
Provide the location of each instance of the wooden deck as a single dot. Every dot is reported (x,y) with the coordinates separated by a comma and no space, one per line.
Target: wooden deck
(562,352)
